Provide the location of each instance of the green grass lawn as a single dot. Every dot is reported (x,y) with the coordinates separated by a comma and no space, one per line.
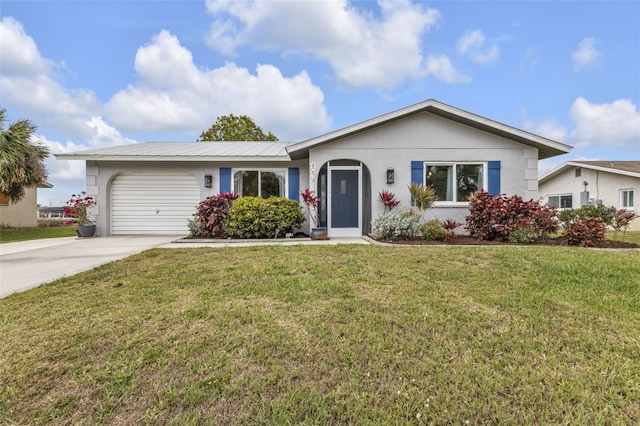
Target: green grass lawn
(14,235)
(321,335)
(629,236)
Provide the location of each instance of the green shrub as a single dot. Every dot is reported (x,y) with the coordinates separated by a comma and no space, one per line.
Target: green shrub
(197,228)
(432,230)
(605,214)
(525,234)
(257,217)
(396,225)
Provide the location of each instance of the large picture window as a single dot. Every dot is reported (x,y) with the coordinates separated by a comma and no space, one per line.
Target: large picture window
(263,183)
(455,181)
(561,201)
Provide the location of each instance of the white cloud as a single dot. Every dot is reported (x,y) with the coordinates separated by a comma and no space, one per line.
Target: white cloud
(24,71)
(549,129)
(472,44)
(586,55)
(441,68)
(615,124)
(173,94)
(363,49)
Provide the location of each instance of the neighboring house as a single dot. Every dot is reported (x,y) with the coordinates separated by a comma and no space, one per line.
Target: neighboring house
(24,213)
(154,187)
(51,212)
(578,183)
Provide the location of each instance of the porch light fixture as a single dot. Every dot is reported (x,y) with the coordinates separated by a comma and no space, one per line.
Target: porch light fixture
(390,175)
(208,181)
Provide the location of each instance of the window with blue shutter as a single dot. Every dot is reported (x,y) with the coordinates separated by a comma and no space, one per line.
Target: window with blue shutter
(456,182)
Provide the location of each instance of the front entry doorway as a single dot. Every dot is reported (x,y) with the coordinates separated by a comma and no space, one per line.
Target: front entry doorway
(345,200)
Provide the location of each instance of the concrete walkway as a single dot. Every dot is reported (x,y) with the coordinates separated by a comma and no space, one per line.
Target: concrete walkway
(28,264)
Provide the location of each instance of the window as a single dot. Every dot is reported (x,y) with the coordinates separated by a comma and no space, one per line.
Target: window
(4,200)
(561,201)
(626,199)
(264,183)
(578,172)
(455,181)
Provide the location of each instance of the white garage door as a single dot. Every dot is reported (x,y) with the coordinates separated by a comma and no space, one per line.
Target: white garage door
(153,203)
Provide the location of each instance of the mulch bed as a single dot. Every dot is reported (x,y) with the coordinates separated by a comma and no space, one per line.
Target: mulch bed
(469,241)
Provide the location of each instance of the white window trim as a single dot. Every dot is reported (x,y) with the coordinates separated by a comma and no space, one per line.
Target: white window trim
(485,183)
(260,170)
(568,194)
(632,190)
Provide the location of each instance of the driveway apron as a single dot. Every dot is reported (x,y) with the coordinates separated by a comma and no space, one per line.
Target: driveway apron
(28,264)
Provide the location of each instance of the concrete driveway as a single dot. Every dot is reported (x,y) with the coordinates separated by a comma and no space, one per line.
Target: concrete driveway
(28,264)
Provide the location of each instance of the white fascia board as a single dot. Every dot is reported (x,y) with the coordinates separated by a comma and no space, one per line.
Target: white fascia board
(155,158)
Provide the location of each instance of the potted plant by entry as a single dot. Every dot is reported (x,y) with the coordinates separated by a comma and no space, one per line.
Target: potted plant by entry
(77,208)
(310,200)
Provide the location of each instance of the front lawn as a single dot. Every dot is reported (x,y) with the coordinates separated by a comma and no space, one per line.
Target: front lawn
(25,234)
(344,334)
(629,236)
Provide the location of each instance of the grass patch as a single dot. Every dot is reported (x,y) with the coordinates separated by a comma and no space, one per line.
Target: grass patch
(25,234)
(629,236)
(343,334)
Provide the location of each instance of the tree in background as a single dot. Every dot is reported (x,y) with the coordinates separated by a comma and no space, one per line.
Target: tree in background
(232,128)
(21,159)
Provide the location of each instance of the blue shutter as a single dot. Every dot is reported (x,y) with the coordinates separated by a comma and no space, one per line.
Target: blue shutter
(225,179)
(294,183)
(417,172)
(493,177)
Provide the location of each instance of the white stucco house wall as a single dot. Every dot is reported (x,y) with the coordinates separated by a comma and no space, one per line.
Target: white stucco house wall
(154,187)
(578,183)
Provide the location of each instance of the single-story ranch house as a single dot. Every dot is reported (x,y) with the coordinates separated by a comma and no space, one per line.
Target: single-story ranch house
(154,187)
(578,183)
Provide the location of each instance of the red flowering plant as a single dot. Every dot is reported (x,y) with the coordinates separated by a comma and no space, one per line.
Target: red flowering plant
(388,198)
(310,200)
(77,206)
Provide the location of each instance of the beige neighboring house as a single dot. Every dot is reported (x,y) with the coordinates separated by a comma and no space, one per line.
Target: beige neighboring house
(578,183)
(24,213)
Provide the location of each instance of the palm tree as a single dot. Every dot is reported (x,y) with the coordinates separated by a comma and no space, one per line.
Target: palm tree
(21,159)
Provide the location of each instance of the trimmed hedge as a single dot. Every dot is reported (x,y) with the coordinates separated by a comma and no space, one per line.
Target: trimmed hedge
(256,217)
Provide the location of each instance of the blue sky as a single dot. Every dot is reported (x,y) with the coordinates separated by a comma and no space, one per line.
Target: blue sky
(92,74)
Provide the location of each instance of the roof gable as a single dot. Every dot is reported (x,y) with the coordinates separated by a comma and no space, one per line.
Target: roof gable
(546,147)
(623,168)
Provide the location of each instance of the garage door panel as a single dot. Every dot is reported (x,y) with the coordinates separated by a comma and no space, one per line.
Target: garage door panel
(153,203)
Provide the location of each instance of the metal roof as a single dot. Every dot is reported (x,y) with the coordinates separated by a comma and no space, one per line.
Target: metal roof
(186,151)
(546,147)
(625,168)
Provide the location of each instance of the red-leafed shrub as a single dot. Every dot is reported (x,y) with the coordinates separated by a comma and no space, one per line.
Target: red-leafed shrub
(449,225)
(495,217)
(585,232)
(388,198)
(209,218)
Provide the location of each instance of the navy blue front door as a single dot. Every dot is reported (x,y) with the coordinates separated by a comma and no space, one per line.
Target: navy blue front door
(344,198)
